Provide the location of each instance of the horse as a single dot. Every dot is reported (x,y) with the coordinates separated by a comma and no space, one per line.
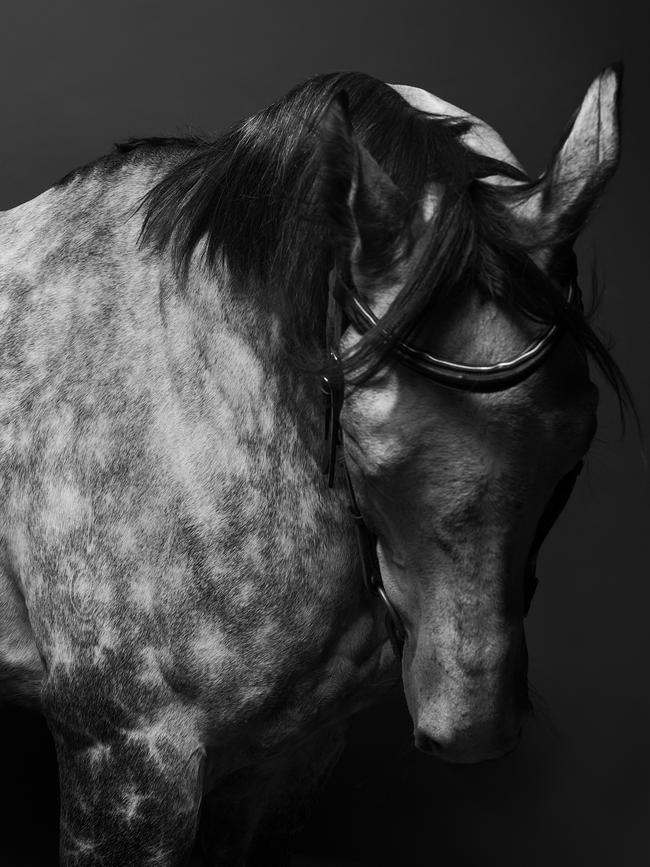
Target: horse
(286,415)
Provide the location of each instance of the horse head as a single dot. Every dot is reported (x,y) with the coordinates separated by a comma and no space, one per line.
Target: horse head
(454,482)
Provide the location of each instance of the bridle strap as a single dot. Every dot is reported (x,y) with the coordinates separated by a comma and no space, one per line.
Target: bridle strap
(466,377)
(342,302)
(332,385)
(333,388)
(372,578)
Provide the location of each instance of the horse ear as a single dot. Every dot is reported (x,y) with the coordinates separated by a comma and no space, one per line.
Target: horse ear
(364,206)
(583,163)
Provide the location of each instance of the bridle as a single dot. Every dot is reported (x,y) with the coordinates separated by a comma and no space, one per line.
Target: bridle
(346,307)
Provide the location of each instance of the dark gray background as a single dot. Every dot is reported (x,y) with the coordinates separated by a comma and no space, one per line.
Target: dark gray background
(77,76)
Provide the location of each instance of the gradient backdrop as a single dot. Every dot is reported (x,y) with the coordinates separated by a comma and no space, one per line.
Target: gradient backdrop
(77,76)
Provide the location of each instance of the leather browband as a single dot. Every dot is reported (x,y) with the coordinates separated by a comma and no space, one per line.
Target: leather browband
(480,378)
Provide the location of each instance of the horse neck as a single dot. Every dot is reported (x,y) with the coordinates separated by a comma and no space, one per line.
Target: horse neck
(237,340)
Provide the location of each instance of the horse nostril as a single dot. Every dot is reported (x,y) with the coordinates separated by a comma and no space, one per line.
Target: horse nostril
(468,751)
(426,744)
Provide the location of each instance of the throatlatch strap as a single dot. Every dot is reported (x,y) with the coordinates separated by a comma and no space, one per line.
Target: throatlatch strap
(334,321)
(332,385)
(372,578)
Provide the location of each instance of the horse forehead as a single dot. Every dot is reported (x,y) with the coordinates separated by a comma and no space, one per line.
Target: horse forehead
(407,417)
(481,138)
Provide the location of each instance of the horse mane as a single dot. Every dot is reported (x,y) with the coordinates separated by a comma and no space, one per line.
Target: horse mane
(253,198)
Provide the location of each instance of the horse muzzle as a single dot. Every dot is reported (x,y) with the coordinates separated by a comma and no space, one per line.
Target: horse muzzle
(469,748)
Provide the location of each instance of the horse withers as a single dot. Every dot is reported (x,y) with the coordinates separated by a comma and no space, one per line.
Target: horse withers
(182,591)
